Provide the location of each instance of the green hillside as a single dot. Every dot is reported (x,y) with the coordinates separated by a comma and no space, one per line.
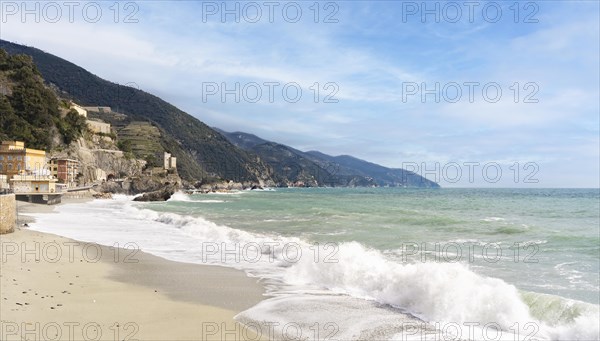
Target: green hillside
(147,126)
(291,165)
(29,111)
(199,149)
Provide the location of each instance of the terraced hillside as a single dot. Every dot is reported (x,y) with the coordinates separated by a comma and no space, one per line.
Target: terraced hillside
(144,138)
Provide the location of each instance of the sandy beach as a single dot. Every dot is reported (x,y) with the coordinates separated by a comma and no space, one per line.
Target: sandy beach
(54,288)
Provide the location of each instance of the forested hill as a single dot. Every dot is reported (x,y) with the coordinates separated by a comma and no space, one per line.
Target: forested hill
(344,170)
(200,150)
(29,111)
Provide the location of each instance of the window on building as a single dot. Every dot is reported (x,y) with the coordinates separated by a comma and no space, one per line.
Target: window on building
(18,157)
(10,166)
(9,158)
(1,157)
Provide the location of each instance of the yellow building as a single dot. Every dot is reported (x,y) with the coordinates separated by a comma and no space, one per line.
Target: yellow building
(16,159)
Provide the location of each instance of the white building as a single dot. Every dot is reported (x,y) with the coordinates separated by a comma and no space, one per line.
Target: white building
(170,162)
(4,182)
(33,184)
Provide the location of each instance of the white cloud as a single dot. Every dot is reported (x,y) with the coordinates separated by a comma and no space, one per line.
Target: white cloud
(369,54)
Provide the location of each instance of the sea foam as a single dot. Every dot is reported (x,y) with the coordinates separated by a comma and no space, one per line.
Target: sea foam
(431,293)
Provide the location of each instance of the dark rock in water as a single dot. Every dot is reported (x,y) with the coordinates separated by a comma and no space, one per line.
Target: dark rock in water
(163,194)
(256,187)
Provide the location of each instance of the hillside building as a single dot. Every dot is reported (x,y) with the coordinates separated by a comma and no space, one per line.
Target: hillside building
(170,162)
(65,170)
(94,126)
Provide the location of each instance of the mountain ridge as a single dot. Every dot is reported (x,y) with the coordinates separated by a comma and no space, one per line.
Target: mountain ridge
(206,154)
(201,152)
(341,170)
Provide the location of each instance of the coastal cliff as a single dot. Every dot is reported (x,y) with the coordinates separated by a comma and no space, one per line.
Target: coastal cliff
(144,127)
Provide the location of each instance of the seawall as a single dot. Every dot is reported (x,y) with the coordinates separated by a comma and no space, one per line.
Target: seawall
(8,213)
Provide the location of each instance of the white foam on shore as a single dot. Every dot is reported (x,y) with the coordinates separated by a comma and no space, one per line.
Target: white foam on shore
(180,196)
(183,197)
(433,292)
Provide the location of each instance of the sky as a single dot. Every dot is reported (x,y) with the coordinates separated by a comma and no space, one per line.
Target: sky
(466,93)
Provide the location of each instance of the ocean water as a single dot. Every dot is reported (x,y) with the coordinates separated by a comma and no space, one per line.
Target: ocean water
(381,263)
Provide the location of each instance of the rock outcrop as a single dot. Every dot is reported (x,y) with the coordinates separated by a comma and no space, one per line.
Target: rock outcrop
(162,194)
(102,195)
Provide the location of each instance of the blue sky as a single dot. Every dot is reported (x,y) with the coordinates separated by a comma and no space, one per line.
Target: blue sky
(376,56)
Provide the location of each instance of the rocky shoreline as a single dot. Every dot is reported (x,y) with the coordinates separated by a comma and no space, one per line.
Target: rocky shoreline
(162,188)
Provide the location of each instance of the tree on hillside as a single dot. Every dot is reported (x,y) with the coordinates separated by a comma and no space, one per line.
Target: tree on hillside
(31,112)
(72,126)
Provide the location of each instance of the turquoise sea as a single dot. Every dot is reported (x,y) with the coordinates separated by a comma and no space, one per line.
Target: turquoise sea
(369,261)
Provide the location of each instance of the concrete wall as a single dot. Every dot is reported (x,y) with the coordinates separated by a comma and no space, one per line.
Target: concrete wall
(80,110)
(22,186)
(99,127)
(8,213)
(98,109)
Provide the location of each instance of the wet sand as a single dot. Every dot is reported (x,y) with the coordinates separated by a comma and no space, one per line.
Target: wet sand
(54,288)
